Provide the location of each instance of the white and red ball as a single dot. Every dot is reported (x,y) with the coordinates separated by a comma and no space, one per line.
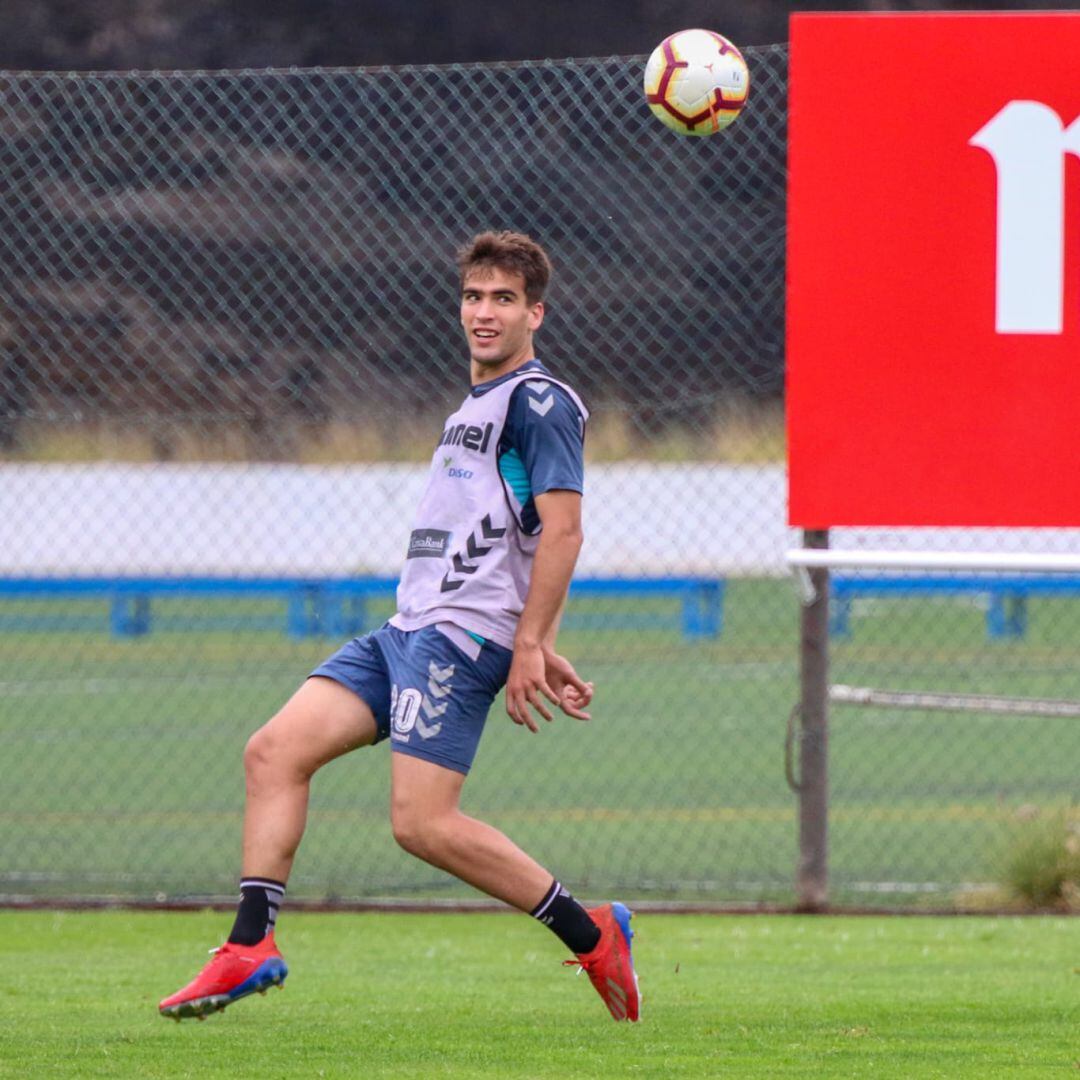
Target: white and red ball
(696,82)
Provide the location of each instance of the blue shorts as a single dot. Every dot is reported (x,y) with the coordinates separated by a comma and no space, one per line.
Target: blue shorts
(429,696)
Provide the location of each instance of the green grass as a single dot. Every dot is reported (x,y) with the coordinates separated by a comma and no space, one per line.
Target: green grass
(130,781)
(484,996)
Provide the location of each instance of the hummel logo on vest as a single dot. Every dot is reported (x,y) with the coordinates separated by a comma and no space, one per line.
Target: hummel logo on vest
(468,436)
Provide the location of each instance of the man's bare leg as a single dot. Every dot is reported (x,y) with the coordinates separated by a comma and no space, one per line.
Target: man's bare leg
(320,722)
(428,823)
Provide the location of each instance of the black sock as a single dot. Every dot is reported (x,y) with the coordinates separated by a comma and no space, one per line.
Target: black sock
(568,919)
(260,899)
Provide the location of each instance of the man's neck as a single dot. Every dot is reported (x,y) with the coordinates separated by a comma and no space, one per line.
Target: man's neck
(484,373)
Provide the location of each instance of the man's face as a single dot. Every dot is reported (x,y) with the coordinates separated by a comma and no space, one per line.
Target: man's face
(497,319)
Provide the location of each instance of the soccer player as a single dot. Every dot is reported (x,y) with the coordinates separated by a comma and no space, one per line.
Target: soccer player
(490,557)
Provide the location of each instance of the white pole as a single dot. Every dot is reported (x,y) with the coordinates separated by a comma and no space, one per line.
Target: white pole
(1018,562)
(929,700)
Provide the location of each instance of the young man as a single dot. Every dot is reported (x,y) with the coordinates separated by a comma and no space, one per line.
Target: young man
(496,537)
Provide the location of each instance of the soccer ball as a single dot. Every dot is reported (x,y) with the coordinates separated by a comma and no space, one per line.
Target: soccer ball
(696,81)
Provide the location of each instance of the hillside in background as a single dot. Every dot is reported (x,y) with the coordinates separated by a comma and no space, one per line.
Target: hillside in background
(105,35)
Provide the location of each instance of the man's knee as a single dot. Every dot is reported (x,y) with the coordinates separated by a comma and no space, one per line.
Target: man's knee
(258,753)
(418,831)
(267,754)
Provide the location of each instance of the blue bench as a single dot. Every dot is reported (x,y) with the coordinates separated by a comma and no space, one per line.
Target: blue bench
(702,601)
(1006,595)
(338,606)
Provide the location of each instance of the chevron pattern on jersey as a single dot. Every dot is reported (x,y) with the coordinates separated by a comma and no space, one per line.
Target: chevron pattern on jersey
(540,397)
(432,705)
(475,550)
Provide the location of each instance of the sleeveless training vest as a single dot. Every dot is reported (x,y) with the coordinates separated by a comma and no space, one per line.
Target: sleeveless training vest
(469,558)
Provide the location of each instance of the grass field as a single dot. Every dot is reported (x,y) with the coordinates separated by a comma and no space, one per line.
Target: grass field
(484,996)
(129,778)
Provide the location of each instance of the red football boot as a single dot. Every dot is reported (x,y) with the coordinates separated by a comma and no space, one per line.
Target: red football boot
(610,966)
(234,972)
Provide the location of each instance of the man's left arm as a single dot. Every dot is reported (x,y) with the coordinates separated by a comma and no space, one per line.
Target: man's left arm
(536,665)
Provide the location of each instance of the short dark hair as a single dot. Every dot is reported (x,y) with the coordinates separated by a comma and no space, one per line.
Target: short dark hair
(511,252)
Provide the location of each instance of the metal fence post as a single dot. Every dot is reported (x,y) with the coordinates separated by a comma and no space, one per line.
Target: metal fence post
(812,875)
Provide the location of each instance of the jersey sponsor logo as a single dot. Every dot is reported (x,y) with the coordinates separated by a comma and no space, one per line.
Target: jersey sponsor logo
(428,544)
(455,472)
(468,436)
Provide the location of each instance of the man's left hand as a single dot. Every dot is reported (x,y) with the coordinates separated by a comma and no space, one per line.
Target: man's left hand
(525,684)
(574,694)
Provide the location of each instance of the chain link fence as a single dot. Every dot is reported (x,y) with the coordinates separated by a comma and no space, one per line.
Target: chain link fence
(228,339)
(954,721)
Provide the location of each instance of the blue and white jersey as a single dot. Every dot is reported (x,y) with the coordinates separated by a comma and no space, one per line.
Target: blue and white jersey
(476,529)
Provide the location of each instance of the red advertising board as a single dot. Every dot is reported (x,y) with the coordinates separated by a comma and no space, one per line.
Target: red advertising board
(933,303)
